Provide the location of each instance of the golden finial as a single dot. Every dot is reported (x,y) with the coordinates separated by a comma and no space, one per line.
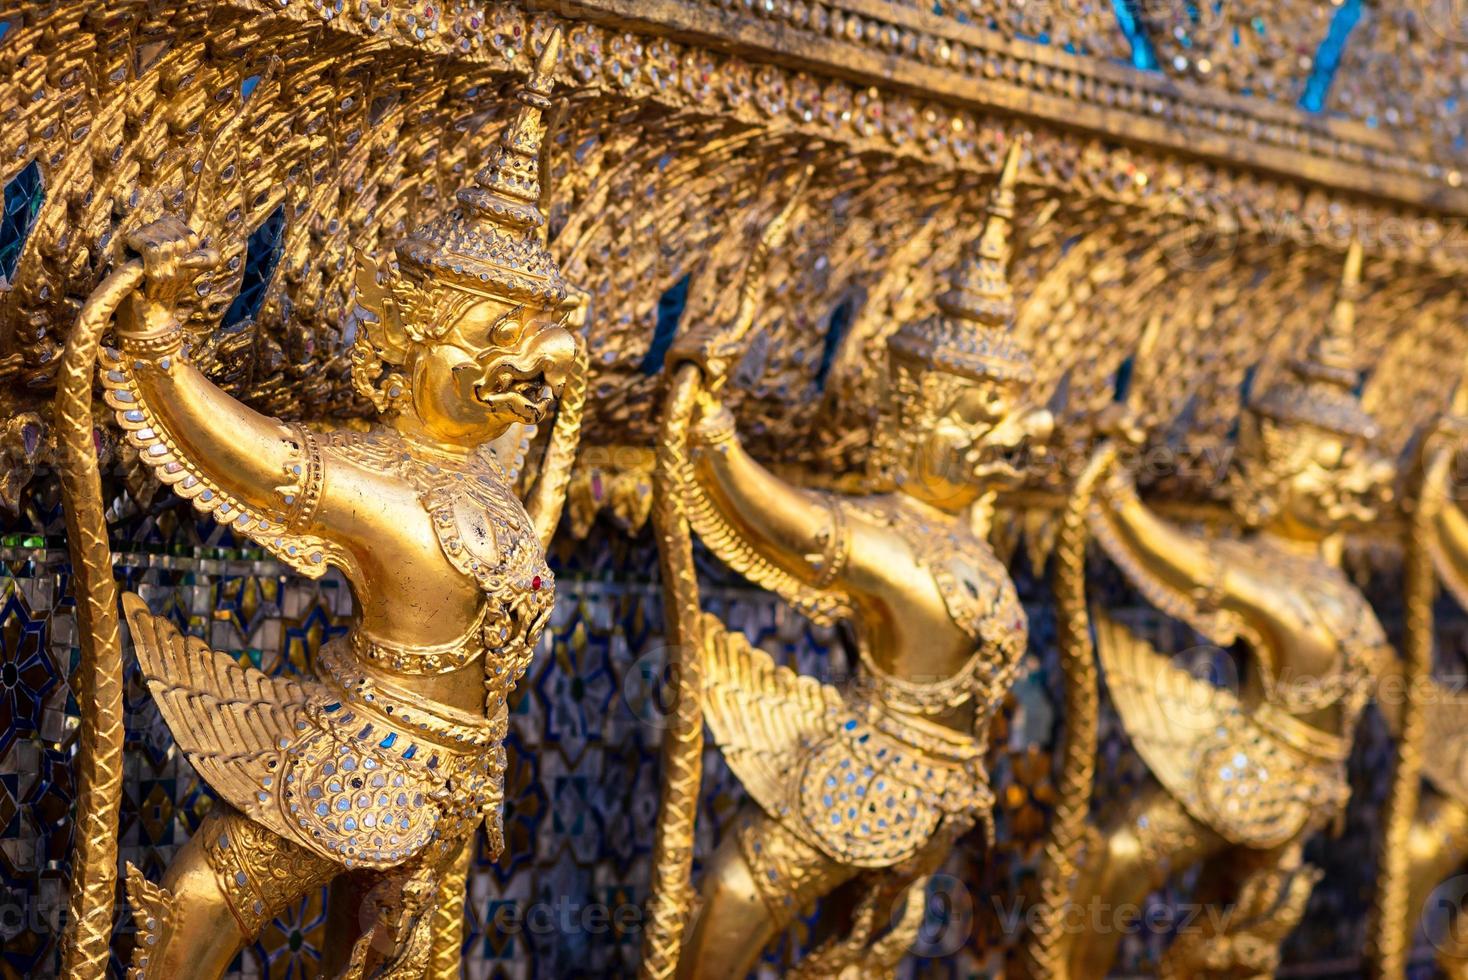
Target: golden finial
(979,288)
(508,186)
(971,336)
(1320,389)
(491,244)
(1332,357)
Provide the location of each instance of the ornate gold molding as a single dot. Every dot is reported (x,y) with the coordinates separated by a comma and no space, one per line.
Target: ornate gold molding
(676,120)
(896,47)
(845,72)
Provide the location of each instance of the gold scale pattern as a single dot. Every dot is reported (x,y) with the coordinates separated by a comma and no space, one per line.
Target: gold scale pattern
(227,113)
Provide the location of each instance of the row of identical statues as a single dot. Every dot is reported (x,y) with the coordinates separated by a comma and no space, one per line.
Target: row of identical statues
(383,765)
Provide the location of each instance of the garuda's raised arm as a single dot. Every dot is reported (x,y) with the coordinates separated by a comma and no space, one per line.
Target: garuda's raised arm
(799,530)
(261,476)
(1447,524)
(784,538)
(1179,572)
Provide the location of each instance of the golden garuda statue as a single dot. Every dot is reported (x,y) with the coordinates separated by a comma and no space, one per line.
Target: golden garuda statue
(1244,776)
(390,757)
(1425,838)
(877,780)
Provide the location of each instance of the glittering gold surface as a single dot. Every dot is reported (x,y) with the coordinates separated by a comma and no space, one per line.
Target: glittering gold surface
(1181,192)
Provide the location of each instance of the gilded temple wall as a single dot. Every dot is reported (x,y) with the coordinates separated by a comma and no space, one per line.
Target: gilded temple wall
(1205,167)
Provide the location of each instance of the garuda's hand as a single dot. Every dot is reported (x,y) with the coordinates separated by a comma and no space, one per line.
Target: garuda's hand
(714,351)
(1450,431)
(1123,425)
(717,348)
(713,422)
(1441,463)
(172,258)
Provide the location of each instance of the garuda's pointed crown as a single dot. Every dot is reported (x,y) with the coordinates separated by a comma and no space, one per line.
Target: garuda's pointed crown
(1320,388)
(490,245)
(973,333)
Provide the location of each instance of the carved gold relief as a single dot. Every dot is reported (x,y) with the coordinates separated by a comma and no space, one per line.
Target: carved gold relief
(348,120)
(225,182)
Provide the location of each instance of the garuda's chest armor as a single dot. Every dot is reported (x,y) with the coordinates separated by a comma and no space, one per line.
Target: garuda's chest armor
(980,599)
(485,534)
(865,775)
(356,766)
(1255,773)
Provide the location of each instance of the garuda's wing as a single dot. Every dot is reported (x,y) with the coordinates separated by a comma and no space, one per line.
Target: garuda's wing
(228,719)
(760,714)
(1224,766)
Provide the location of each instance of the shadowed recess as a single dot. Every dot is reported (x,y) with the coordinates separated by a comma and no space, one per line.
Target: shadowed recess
(23,197)
(262,254)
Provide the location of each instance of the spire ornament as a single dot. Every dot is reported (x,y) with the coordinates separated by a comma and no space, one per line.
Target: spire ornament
(972,334)
(490,245)
(1320,388)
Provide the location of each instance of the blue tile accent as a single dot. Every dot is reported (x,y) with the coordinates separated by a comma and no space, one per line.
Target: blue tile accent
(836,327)
(1123,384)
(1144,56)
(1328,56)
(670,311)
(262,255)
(23,198)
(1246,387)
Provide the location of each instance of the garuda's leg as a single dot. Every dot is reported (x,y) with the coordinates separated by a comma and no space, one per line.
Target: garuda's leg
(1253,900)
(406,921)
(1436,848)
(758,881)
(1151,840)
(230,880)
(399,914)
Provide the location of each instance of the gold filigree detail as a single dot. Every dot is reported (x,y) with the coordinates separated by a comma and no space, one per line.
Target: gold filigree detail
(258,872)
(277,529)
(152,914)
(1232,769)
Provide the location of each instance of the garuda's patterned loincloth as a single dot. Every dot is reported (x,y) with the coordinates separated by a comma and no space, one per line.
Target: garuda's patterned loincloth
(356,773)
(867,787)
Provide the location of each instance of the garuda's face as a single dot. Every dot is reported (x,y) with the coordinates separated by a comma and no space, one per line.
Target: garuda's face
(1325,481)
(500,363)
(981,435)
(1003,429)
